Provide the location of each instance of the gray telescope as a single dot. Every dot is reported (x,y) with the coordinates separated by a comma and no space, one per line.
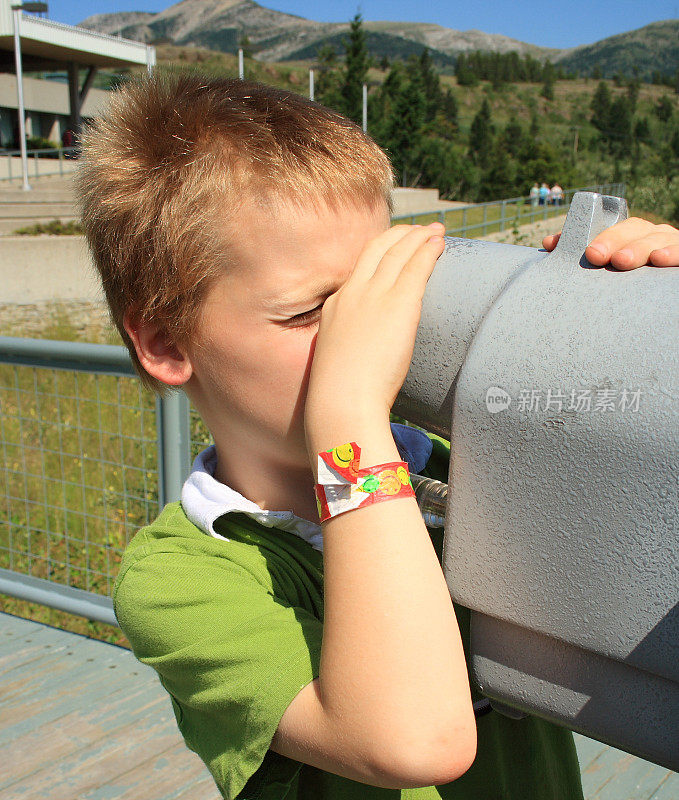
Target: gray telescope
(558,385)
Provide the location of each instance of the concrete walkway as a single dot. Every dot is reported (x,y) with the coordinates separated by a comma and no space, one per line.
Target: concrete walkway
(49,198)
(36,269)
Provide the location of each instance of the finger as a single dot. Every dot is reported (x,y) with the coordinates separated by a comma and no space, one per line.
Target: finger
(665,256)
(637,253)
(395,259)
(551,241)
(415,274)
(375,249)
(615,238)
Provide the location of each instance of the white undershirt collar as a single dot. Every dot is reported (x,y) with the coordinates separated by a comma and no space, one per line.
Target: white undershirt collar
(205,500)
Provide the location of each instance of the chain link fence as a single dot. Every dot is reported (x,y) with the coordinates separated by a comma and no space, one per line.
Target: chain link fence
(88,457)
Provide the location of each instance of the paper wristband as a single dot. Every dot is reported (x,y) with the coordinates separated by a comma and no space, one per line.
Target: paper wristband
(342,486)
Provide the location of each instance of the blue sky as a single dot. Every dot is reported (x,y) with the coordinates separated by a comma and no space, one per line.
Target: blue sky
(551,23)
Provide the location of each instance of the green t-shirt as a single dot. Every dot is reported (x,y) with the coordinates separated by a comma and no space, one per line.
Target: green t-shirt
(234,631)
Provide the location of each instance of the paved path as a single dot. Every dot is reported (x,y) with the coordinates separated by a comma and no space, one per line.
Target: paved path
(84,720)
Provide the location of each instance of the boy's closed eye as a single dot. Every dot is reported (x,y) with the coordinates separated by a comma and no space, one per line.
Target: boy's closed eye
(306,319)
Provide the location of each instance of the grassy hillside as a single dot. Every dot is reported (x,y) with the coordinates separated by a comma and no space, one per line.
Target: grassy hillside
(653,48)
(560,141)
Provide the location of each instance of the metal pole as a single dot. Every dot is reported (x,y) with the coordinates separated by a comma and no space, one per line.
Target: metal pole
(241,71)
(311,84)
(150,59)
(16,10)
(174,446)
(365,108)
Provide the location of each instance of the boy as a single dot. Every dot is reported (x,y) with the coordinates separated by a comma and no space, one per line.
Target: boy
(242,235)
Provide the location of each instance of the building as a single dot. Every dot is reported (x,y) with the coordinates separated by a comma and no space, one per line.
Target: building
(51,107)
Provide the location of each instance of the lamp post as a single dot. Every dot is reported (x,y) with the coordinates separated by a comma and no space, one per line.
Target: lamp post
(16,10)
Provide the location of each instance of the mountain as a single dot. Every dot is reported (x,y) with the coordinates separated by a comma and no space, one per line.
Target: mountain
(653,47)
(276,36)
(113,23)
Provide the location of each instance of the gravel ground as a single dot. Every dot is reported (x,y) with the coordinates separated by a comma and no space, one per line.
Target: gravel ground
(70,320)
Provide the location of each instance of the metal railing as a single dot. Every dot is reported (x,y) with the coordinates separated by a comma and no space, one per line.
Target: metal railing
(88,458)
(46,161)
(481,219)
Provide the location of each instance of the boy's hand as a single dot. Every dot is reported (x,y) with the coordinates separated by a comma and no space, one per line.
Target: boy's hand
(630,244)
(367,333)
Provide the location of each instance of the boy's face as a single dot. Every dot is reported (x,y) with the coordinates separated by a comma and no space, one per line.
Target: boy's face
(253,347)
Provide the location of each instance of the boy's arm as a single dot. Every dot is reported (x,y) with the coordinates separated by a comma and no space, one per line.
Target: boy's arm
(392,704)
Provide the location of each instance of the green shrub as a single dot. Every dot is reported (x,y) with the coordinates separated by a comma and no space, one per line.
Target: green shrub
(56,228)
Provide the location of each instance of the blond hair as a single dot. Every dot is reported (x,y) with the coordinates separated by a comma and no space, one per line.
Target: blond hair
(168,164)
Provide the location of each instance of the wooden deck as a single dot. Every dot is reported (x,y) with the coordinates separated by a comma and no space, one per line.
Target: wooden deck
(84,720)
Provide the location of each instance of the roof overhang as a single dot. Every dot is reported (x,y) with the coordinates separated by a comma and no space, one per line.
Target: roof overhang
(49,45)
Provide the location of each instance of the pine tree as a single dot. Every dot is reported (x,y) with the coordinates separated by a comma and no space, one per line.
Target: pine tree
(633,86)
(412,113)
(663,109)
(464,72)
(620,127)
(327,84)
(430,83)
(355,70)
(406,124)
(534,130)
(548,81)
(642,131)
(449,107)
(481,134)
(674,143)
(601,107)
(513,137)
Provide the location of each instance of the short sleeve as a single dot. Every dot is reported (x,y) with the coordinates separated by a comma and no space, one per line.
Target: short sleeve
(231,655)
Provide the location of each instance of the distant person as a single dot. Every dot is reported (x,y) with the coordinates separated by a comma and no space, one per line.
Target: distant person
(68,141)
(534,194)
(557,194)
(543,195)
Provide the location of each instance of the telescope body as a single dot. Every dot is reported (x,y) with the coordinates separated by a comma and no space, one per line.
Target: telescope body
(558,385)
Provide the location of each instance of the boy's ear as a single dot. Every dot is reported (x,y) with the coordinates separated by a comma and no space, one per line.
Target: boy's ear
(160,357)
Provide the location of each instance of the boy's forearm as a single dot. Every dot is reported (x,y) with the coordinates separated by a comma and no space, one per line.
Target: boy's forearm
(392,665)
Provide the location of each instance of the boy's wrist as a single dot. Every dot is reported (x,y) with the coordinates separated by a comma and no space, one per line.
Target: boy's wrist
(372,434)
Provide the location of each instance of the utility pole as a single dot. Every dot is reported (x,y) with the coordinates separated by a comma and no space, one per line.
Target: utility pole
(575,142)
(311,84)
(241,70)
(365,108)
